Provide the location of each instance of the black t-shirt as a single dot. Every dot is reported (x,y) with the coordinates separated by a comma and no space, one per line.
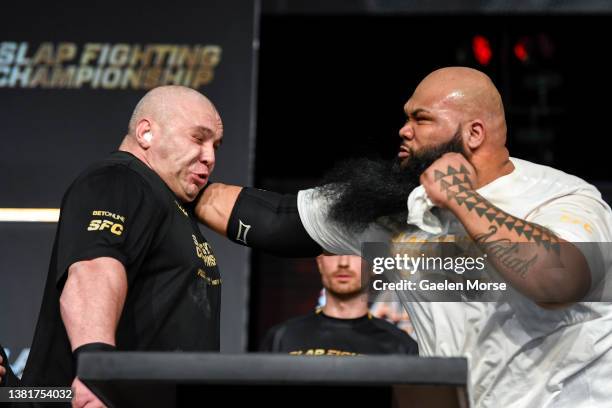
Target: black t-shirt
(120,208)
(317,334)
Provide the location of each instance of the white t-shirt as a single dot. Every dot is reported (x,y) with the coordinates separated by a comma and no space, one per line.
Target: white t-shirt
(519,354)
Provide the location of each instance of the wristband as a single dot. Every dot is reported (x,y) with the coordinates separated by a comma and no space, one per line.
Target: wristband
(91,347)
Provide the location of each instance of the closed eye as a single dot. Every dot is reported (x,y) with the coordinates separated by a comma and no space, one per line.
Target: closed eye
(419,115)
(419,119)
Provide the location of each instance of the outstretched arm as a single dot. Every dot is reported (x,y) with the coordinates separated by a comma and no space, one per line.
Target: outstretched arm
(215,206)
(256,218)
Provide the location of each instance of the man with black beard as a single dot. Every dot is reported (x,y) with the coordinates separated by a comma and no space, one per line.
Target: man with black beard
(542,346)
(344,325)
(358,196)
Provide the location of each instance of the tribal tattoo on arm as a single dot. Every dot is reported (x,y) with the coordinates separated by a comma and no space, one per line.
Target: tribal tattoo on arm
(499,234)
(533,259)
(457,186)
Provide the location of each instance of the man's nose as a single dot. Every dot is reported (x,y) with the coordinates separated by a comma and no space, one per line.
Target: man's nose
(207,155)
(343,261)
(406,132)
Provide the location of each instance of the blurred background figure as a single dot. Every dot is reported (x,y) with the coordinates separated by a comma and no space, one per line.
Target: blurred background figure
(343,326)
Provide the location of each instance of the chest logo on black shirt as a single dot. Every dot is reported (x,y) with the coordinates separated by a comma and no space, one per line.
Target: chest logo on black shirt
(204,252)
(323,352)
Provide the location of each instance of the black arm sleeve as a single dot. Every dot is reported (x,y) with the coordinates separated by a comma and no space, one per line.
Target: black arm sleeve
(270,221)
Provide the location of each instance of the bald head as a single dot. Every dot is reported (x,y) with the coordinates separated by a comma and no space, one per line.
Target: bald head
(457,109)
(469,92)
(175,131)
(167,103)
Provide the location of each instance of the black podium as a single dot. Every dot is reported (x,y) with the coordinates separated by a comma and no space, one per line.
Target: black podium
(173,379)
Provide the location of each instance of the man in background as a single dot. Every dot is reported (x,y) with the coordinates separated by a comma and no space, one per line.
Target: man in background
(344,325)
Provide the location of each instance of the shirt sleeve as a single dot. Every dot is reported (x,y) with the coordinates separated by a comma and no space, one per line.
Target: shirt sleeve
(576,218)
(272,340)
(110,212)
(586,222)
(267,342)
(314,208)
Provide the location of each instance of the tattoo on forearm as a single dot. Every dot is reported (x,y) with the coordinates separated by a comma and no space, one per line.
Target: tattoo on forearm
(505,252)
(458,187)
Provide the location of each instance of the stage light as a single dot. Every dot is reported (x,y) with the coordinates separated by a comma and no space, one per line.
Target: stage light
(520,51)
(29,214)
(482,49)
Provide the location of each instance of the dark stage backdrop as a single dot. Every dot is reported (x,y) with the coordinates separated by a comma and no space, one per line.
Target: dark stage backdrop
(69,79)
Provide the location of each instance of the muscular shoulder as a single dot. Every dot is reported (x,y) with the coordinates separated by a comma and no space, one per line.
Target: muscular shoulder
(545,174)
(114,177)
(110,172)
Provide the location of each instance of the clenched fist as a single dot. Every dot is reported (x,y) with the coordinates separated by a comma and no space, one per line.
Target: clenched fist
(448,179)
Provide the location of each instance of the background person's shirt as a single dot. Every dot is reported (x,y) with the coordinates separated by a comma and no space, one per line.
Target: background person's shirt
(317,334)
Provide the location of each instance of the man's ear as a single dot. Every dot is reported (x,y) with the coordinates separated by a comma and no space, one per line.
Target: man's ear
(144,136)
(475,134)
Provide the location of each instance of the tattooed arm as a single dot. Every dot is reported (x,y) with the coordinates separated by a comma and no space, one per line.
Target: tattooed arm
(549,270)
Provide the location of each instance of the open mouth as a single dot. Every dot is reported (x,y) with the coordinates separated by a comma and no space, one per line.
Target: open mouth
(200,178)
(404,152)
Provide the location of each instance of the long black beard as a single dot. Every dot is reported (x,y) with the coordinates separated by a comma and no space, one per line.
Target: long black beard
(363,190)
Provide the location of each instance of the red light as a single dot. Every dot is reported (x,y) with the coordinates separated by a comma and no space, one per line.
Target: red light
(520,51)
(482,50)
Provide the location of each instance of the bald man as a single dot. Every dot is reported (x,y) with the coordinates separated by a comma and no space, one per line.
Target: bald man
(540,346)
(130,269)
